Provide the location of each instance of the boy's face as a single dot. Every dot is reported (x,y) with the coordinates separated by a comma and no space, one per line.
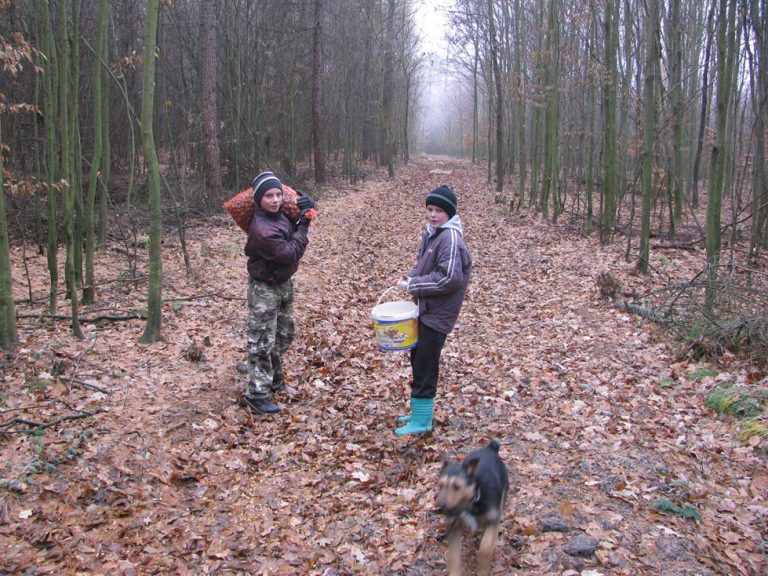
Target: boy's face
(436,216)
(272,200)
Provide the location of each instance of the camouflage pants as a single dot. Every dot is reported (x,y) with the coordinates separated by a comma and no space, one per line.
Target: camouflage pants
(270,333)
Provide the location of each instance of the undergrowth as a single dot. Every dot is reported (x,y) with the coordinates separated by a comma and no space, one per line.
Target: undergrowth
(677,500)
(737,401)
(735,322)
(745,405)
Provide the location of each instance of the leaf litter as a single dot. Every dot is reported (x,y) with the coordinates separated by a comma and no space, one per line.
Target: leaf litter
(172,475)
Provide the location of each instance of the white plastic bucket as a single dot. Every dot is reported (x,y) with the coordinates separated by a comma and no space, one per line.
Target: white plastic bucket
(395,325)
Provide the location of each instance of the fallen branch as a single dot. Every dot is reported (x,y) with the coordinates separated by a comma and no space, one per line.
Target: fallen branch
(88,385)
(217,294)
(642,311)
(122,250)
(134,316)
(36,426)
(25,408)
(690,246)
(121,279)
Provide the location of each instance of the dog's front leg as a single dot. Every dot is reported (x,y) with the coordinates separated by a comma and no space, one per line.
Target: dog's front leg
(487,547)
(454,550)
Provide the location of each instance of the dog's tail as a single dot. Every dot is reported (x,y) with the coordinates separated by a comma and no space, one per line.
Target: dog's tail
(493,445)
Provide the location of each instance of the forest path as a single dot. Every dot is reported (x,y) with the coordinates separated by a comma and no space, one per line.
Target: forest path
(593,417)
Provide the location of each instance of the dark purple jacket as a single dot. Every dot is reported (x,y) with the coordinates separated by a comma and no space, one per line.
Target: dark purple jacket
(439,279)
(274,247)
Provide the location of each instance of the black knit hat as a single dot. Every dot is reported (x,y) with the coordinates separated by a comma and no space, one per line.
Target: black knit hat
(263,182)
(445,198)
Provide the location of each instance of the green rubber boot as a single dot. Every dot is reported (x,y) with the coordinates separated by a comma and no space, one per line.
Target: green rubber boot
(421,417)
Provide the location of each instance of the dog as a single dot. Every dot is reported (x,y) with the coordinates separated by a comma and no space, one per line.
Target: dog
(472,495)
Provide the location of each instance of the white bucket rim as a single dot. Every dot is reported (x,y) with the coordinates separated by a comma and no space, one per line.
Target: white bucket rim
(399,310)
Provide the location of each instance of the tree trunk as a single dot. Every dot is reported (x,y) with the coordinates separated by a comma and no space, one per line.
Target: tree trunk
(154,297)
(675,36)
(209,86)
(7,310)
(318,120)
(609,179)
(649,131)
(98,131)
(106,155)
(550,181)
(39,41)
(718,160)
(499,98)
(475,102)
(522,160)
(703,111)
(759,19)
(387,120)
(67,169)
(51,158)
(76,166)
(592,101)
(489,135)
(407,121)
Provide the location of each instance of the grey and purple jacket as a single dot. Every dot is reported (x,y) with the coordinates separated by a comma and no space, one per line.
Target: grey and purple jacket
(439,279)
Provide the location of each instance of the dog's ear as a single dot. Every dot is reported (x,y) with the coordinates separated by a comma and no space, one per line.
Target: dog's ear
(446,461)
(470,466)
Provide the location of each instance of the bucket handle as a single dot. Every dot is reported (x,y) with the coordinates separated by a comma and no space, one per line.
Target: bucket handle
(385,293)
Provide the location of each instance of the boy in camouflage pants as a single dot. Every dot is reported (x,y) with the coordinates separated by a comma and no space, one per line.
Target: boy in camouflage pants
(270,333)
(274,247)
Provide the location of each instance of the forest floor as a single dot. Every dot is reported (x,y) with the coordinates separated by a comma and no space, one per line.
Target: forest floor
(146,461)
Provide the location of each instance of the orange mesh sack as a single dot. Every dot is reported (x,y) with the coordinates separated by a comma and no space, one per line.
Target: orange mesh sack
(289,205)
(241,207)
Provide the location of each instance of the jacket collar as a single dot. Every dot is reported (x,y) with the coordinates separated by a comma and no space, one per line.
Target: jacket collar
(452,224)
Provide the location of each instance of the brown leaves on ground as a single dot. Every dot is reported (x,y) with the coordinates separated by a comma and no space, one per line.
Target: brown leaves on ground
(160,469)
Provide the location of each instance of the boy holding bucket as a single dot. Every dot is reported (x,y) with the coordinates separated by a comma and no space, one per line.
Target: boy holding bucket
(438,281)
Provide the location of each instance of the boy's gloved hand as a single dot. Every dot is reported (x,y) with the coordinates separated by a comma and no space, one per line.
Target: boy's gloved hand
(303,224)
(403,282)
(305,203)
(305,218)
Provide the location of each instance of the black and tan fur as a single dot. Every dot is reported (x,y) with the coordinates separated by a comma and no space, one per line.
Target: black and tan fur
(471,495)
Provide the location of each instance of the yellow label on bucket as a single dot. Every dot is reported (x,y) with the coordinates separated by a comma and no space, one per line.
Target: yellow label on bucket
(396,326)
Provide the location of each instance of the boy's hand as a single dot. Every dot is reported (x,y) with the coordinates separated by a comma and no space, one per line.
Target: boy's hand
(304,222)
(305,203)
(403,282)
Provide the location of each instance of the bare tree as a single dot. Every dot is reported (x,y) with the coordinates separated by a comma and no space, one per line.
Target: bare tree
(68,176)
(387,119)
(759,19)
(499,97)
(7,308)
(211,159)
(609,179)
(89,290)
(649,129)
(317,94)
(154,297)
(725,61)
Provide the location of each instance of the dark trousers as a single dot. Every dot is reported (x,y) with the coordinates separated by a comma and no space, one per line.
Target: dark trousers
(425,362)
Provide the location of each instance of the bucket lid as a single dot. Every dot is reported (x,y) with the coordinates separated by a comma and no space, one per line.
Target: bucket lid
(400,310)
